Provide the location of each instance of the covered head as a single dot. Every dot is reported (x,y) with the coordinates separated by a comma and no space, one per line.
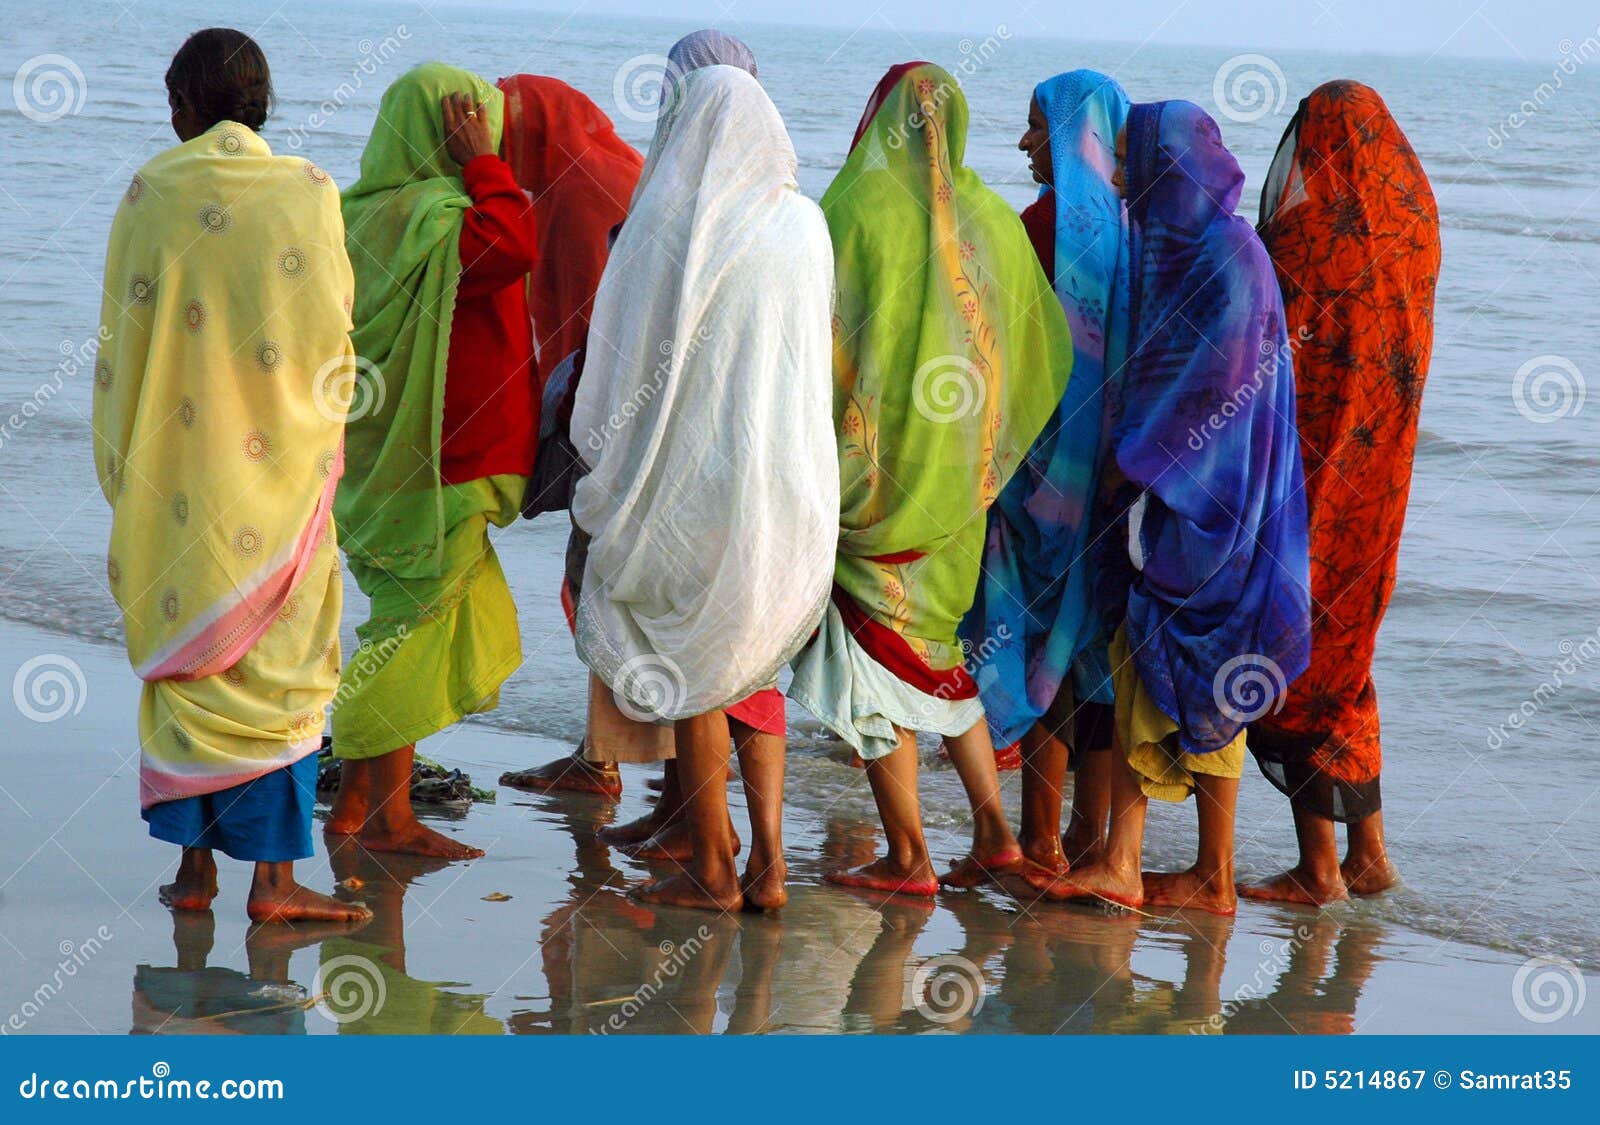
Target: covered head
(579,175)
(710,47)
(703,413)
(407,142)
(700,49)
(1345,164)
(1084,111)
(1178,167)
(1207,558)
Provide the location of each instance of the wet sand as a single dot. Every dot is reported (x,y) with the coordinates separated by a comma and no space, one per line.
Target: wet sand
(86,946)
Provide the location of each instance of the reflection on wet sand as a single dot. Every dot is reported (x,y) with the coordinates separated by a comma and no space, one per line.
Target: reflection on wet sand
(831,961)
(195,998)
(1324,965)
(840,961)
(364,986)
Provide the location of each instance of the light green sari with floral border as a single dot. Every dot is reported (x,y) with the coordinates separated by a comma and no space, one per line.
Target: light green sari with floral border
(951,352)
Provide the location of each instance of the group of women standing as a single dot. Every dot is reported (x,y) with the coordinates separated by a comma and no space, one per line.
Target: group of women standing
(1029,480)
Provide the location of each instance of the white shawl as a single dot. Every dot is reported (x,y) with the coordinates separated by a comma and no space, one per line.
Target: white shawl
(705,413)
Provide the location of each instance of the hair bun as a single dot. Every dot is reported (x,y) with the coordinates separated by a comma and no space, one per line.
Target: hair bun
(252,105)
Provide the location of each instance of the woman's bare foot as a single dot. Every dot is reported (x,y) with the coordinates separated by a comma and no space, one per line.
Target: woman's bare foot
(890,877)
(633,832)
(1191,890)
(763,884)
(572,773)
(974,871)
(1369,876)
(672,844)
(297,904)
(1297,885)
(276,897)
(412,837)
(196,884)
(1030,877)
(685,890)
(1099,881)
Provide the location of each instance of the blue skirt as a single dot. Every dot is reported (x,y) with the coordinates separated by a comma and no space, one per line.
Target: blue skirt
(267,820)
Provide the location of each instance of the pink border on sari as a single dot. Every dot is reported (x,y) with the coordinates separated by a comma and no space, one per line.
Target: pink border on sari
(157,787)
(219,644)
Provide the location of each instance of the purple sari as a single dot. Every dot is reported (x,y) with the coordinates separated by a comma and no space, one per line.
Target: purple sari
(1204,557)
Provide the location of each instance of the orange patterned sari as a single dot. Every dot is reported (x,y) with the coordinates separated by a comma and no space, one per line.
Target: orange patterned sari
(1349,219)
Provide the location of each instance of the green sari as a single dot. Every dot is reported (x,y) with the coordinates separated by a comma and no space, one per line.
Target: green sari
(951,353)
(403,221)
(443,633)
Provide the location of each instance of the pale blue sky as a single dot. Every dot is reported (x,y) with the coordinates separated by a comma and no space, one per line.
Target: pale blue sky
(1533,30)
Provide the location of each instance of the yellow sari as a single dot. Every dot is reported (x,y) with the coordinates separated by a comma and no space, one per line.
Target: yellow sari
(220,395)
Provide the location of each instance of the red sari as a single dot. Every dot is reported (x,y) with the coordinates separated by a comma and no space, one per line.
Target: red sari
(580,177)
(1350,221)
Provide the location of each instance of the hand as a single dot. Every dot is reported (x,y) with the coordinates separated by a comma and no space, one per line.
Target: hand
(466,129)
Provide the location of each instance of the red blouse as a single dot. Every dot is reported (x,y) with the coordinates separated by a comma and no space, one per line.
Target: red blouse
(491,413)
(1039,220)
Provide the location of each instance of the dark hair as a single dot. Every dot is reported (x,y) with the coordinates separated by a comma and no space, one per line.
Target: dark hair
(222,75)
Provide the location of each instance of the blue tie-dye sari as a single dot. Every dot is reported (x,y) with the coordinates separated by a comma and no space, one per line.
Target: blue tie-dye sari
(1205,556)
(1033,619)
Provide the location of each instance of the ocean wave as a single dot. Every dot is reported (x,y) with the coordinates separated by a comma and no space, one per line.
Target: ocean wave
(1581,234)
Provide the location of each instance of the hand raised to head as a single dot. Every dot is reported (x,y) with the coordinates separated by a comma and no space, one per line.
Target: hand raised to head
(466,129)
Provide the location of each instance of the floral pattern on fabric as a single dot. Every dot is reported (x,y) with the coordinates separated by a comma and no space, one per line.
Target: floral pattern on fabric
(1350,221)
